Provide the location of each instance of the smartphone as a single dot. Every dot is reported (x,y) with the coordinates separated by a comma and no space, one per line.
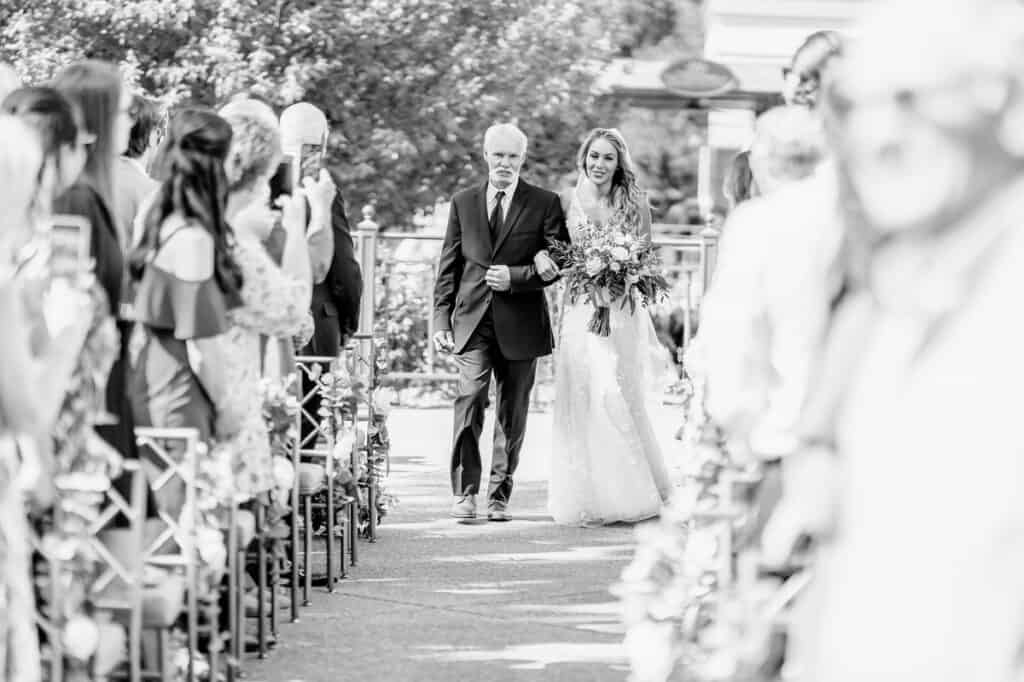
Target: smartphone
(283,180)
(311,160)
(70,237)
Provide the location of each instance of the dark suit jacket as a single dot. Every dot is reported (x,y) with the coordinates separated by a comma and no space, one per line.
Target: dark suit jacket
(461,295)
(335,303)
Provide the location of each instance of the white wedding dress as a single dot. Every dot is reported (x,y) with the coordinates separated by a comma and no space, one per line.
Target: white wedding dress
(606,463)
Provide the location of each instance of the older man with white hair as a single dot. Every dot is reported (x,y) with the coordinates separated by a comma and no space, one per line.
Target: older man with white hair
(491,312)
(923,579)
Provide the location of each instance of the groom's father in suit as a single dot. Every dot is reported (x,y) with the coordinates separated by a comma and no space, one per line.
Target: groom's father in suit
(490,310)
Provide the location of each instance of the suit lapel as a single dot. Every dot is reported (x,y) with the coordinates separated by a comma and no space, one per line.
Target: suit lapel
(514,211)
(483,218)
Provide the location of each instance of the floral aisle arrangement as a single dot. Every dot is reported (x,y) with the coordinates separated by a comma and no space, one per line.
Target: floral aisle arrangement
(362,383)
(280,409)
(378,462)
(19,644)
(609,265)
(84,468)
(335,417)
(691,597)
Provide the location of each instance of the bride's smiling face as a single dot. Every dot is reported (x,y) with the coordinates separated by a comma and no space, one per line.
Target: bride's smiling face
(601,162)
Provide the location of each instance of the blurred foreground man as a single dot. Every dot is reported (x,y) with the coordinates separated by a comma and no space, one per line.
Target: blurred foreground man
(923,580)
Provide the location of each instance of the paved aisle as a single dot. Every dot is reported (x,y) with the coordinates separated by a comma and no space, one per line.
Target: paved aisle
(435,599)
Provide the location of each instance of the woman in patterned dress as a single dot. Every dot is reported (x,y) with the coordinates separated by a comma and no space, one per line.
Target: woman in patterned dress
(275,299)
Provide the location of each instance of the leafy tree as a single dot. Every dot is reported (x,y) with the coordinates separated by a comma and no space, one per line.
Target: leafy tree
(665,143)
(408,85)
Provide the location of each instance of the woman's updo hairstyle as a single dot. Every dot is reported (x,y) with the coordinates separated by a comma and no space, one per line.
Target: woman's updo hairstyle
(256,145)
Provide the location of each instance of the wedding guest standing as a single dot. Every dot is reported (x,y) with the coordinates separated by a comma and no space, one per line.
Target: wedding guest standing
(45,363)
(755,345)
(338,287)
(54,122)
(131,173)
(95,87)
(922,577)
(64,141)
(275,299)
(187,281)
(20,411)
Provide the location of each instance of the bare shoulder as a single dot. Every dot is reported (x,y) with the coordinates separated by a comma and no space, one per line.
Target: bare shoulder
(565,196)
(188,252)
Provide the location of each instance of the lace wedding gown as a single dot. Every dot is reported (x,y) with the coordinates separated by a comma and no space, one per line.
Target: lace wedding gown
(606,464)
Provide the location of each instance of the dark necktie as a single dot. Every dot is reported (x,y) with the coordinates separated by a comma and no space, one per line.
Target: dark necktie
(495,221)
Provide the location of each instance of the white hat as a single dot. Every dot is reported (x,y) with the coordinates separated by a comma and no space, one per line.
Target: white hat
(303,123)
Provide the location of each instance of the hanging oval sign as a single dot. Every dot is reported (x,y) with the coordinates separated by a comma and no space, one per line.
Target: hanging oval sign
(695,77)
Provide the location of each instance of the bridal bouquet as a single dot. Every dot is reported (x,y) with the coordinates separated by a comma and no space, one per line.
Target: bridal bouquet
(607,264)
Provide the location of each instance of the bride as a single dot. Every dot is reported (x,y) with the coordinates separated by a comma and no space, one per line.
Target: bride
(606,463)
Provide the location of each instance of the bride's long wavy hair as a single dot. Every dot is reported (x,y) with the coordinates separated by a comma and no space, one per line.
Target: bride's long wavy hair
(625,196)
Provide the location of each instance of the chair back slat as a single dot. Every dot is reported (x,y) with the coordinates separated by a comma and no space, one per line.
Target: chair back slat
(176,452)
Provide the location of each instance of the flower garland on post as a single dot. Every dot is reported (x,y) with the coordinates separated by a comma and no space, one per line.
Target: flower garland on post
(343,390)
(280,409)
(684,602)
(335,389)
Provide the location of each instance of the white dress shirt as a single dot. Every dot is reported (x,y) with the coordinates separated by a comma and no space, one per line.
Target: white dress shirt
(492,196)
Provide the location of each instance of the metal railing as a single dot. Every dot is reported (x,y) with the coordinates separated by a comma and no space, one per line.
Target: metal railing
(688,262)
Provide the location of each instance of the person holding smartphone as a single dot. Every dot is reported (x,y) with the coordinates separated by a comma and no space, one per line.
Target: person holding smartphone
(275,297)
(337,294)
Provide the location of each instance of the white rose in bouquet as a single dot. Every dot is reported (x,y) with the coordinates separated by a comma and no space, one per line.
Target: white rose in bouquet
(620,253)
(594,266)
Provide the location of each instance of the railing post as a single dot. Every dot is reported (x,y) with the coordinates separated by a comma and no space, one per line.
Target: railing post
(431,351)
(709,237)
(366,252)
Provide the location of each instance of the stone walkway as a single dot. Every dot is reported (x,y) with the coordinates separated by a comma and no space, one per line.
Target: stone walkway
(435,599)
